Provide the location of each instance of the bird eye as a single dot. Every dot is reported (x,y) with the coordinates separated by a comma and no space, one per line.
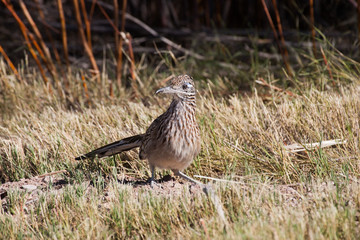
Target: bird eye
(186,85)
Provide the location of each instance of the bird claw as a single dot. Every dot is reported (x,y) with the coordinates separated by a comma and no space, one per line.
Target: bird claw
(153,183)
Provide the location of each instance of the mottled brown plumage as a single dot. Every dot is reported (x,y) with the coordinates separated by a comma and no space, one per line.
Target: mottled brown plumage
(172,140)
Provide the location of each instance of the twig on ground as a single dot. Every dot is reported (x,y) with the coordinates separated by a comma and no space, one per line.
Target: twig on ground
(294,148)
(218,179)
(51,173)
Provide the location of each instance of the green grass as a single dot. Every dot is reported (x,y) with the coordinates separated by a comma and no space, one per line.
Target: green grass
(278,195)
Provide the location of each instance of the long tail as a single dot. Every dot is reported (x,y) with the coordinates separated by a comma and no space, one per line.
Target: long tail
(114,148)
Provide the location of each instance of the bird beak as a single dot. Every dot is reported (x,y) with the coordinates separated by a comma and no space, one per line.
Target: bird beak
(165,90)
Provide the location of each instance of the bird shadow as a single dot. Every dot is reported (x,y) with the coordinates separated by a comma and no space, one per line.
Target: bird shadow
(136,182)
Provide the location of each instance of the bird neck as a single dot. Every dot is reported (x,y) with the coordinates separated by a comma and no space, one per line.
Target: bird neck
(187,104)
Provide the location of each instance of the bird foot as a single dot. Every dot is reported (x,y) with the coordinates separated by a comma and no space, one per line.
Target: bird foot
(153,183)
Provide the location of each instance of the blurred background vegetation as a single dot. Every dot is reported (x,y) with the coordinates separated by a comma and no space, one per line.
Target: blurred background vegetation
(117,45)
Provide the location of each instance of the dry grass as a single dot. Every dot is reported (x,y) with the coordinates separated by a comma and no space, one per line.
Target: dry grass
(280,195)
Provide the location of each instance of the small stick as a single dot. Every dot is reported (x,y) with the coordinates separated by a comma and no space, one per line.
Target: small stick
(51,173)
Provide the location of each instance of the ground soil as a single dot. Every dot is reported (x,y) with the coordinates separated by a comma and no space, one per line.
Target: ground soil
(55,182)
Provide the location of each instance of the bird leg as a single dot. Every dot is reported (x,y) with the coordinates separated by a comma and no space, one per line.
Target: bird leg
(151,180)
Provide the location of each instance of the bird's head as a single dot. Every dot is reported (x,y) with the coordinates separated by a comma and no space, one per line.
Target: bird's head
(181,86)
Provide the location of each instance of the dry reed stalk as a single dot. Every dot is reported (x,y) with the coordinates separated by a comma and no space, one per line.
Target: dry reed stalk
(111,90)
(271,23)
(109,19)
(207,14)
(358,18)
(42,17)
(11,65)
(85,44)
(87,23)
(85,89)
(287,66)
(48,64)
(132,66)
(24,31)
(120,57)
(327,65)
(40,51)
(284,51)
(117,33)
(261,81)
(218,10)
(63,33)
(164,39)
(116,22)
(312,19)
(45,55)
(92,9)
(131,54)
(151,31)
(120,54)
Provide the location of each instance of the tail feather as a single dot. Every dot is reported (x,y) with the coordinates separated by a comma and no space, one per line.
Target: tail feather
(114,148)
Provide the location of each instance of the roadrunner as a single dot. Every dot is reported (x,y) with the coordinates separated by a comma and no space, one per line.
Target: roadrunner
(172,140)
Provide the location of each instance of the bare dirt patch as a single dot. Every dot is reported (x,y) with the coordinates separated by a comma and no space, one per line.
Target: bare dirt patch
(32,188)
